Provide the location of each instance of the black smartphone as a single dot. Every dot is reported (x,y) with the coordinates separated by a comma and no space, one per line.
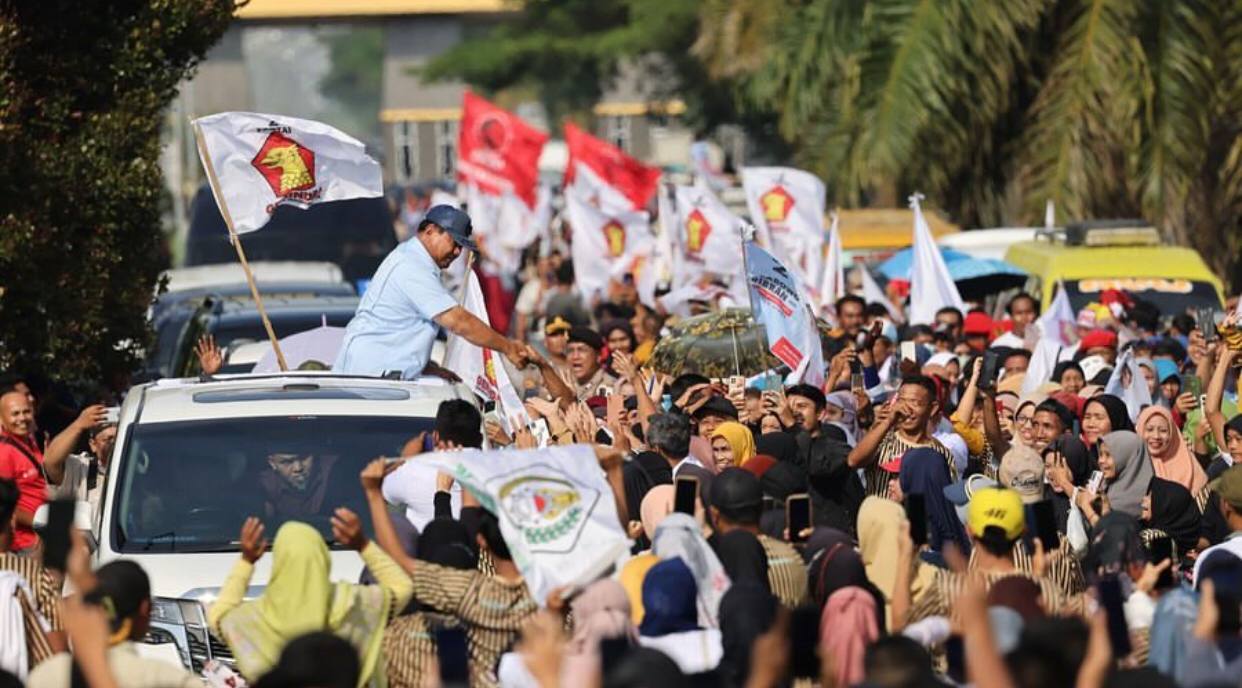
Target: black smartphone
(1046,525)
(1161,548)
(857,380)
(797,515)
(804,639)
(687,493)
(955,656)
(1109,589)
(991,366)
(916,514)
(612,651)
(453,656)
(56,534)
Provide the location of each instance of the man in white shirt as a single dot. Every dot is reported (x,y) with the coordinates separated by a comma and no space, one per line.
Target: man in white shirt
(413,485)
(83,474)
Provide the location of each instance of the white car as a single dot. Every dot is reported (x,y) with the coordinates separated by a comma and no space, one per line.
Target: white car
(194,459)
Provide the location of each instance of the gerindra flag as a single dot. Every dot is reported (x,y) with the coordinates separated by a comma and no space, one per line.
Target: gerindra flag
(779,306)
(708,233)
(481,368)
(634,180)
(497,151)
(555,508)
(255,163)
(787,205)
(602,241)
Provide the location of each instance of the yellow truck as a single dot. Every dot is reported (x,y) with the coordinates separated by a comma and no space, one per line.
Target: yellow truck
(1092,257)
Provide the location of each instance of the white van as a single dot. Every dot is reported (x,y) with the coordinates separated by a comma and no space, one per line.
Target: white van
(192,462)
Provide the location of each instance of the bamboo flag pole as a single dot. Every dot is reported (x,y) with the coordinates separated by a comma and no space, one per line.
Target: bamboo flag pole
(237,245)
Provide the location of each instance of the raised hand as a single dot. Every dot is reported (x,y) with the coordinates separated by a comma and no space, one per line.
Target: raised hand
(91,417)
(253,544)
(209,357)
(347,529)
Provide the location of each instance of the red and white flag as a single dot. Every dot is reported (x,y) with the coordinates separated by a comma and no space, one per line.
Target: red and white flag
(787,207)
(708,234)
(482,369)
(611,166)
(497,151)
(603,243)
(256,163)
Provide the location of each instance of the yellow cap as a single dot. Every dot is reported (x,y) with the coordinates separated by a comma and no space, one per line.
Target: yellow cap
(557,325)
(996,506)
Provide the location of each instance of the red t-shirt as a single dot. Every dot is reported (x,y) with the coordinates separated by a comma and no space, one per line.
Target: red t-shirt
(29,478)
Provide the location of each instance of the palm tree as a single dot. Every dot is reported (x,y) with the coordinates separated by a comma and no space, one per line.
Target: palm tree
(1106,107)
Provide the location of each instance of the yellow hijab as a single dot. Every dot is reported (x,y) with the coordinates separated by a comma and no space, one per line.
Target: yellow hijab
(740,438)
(631,578)
(299,599)
(878,523)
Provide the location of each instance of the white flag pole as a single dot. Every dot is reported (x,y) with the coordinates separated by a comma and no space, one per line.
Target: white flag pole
(237,245)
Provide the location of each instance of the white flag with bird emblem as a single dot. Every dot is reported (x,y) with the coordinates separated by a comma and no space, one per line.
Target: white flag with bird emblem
(256,163)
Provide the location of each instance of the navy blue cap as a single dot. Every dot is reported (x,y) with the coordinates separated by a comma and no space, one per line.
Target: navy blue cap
(453,221)
(960,492)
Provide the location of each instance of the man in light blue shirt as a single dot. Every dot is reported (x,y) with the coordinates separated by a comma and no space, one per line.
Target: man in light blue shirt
(395,325)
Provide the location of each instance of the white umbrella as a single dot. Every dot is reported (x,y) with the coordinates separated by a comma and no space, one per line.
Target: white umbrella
(320,345)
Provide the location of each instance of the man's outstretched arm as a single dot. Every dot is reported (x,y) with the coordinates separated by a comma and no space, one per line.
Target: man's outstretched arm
(463,323)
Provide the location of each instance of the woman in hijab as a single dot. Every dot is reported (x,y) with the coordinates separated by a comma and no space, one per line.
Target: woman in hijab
(1170,457)
(1069,375)
(1101,415)
(669,622)
(679,536)
(879,526)
(1067,463)
(657,504)
(1115,544)
(1024,418)
(847,626)
(924,472)
(746,612)
(833,564)
(744,559)
(733,444)
(1170,508)
(778,483)
(1127,470)
(779,445)
(601,612)
(631,578)
(300,598)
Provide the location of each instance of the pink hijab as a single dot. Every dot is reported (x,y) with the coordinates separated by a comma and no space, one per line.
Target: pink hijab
(1175,464)
(656,504)
(846,627)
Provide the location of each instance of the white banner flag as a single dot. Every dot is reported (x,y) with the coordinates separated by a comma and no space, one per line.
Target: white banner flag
(787,205)
(555,508)
(603,240)
(256,163)
(780,307)
(832,283)
(482,369)
(599,193)
(931,287)
(708,234)
(872,293)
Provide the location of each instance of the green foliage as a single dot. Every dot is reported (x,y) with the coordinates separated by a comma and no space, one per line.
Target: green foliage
(83,88)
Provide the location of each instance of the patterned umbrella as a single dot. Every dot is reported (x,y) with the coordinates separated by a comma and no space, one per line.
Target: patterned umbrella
(719,344)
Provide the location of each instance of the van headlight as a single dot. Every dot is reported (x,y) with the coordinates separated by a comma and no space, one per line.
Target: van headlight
(183,623)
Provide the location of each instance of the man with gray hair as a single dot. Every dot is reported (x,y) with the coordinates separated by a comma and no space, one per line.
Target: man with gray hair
(668,434)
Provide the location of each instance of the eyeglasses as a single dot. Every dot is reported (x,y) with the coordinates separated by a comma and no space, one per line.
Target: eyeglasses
(1024,420)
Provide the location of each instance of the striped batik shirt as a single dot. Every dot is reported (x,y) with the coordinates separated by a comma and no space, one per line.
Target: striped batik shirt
(892,447)
(940,596)
(1061,567)
(786,572)
(46,604)
(491,609)
(410,649)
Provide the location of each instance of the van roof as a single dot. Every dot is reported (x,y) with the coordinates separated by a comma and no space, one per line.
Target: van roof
(1058,261)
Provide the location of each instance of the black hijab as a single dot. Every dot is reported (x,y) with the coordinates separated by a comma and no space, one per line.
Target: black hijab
(746,612)
(743,558)
(1173,510)
(1114,544)
(1063,366)
(1118,414)
(782,480)
(1079,461)
(779,445)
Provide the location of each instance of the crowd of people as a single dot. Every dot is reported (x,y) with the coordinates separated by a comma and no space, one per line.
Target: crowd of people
(927,516)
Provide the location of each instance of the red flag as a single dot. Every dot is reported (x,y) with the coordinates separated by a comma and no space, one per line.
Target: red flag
(497,151)
(625,174)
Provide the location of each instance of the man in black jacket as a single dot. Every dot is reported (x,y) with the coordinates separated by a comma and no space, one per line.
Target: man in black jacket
(836,492)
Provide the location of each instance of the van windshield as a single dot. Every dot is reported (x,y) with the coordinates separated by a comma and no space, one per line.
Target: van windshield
(188,486)
(1171,296)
